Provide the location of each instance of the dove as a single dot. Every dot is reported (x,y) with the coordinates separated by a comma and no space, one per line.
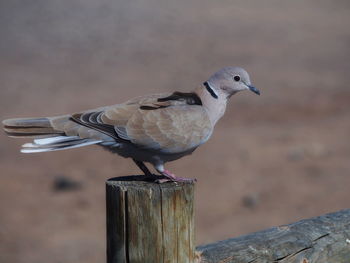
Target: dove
(153,129)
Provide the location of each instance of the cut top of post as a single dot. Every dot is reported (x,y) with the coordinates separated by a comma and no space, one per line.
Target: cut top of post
(149,222)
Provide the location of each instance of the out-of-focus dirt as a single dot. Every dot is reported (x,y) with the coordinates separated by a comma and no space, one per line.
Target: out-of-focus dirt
(272,160)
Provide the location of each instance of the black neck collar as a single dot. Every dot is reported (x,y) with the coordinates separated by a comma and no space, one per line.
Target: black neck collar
(210,90)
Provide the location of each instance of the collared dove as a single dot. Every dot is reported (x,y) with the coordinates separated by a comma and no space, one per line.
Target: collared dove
(154,129)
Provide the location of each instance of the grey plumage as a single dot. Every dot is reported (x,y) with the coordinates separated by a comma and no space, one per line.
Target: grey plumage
(156,128)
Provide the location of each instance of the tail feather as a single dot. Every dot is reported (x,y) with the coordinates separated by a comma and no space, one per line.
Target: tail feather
(46,137)
(55,140)
(27,122)
(59,144)
(30,127)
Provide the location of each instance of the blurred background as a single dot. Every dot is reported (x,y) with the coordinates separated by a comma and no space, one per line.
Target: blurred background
(272,160)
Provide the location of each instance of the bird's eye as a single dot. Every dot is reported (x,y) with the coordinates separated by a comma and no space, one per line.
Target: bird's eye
(237,78)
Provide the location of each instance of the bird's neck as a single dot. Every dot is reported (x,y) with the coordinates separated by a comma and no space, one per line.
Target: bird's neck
(215,107)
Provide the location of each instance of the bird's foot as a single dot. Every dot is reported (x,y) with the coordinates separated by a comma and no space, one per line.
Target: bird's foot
(170,177)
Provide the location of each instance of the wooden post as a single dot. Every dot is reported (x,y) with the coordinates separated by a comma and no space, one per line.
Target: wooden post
(149,222)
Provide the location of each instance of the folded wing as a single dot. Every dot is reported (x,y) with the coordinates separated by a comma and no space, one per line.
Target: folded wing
(168,123)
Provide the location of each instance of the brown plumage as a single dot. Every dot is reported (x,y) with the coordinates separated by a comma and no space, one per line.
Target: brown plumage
(155,128)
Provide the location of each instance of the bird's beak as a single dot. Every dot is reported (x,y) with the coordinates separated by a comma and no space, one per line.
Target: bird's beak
(255,90)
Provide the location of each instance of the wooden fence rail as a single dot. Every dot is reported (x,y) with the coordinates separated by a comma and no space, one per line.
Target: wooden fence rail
(323,239)
(154,223)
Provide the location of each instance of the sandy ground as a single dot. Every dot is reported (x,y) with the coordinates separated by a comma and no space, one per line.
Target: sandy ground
(272,160)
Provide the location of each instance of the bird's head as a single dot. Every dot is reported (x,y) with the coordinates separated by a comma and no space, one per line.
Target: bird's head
(228,81)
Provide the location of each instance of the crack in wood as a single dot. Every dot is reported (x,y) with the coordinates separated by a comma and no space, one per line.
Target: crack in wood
(127,239)
(292,255)
(301,250)
(162,221)
(323,236)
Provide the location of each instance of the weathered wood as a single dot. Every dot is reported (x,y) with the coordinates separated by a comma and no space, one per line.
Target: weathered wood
(323,239)
(149,222)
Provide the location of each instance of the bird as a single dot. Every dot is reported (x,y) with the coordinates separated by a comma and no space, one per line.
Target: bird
(153,129)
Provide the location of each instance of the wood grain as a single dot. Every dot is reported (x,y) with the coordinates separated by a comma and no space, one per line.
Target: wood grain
(149,222)
(323,239)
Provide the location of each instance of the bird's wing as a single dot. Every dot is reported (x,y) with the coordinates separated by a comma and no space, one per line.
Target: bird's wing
(171,123)
(168,122)
(172,129)
(100,123)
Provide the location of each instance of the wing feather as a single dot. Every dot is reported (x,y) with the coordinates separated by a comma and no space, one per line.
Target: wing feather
(169,123)
(173,129)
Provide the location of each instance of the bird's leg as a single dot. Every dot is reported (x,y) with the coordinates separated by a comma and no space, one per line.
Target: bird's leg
(175,178)
(143,168)
(170,176)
